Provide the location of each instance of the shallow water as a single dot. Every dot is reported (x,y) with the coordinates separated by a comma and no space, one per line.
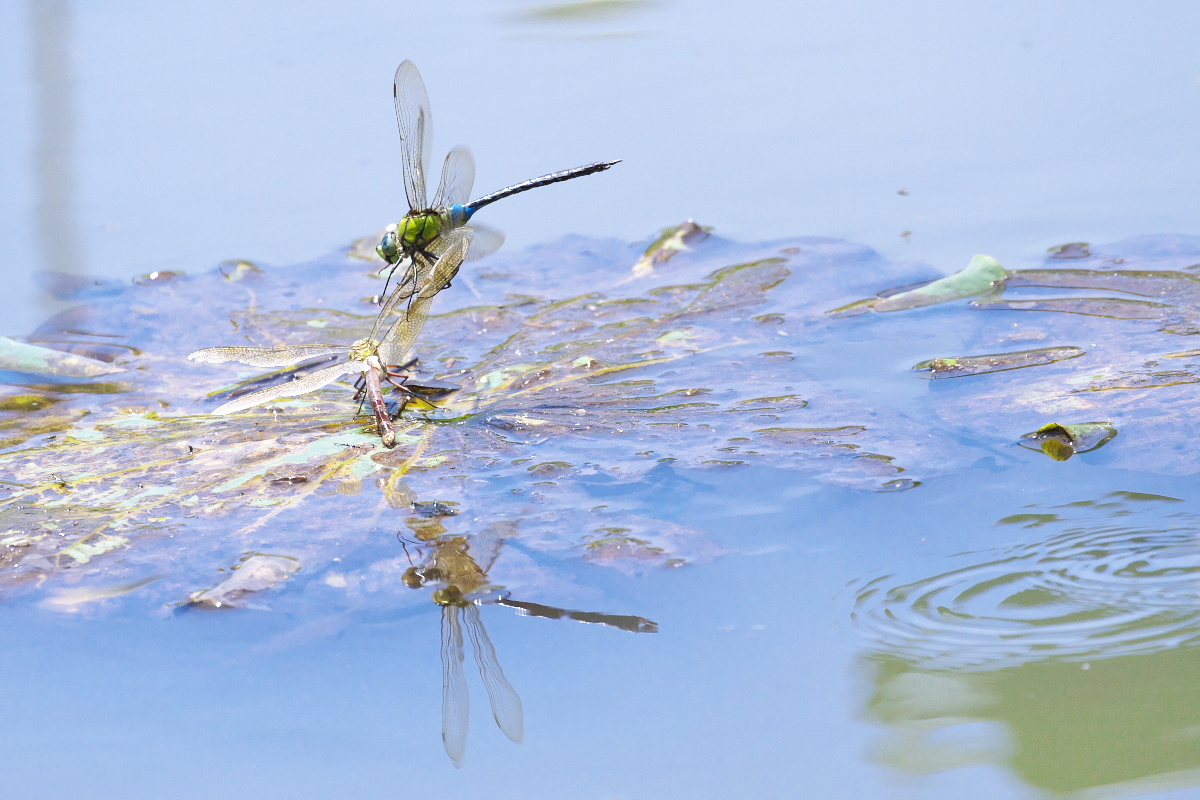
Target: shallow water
(869,593)
(724,542)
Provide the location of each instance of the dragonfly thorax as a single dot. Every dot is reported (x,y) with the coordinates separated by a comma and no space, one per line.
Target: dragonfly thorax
(418,229)
(363,349)
(413,234)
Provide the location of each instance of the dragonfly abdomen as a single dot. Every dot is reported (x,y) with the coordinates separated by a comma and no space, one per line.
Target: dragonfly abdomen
(545,180)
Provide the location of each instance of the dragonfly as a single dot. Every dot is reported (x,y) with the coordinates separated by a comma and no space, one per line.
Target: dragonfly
(373,357)
(461,564)
(416,237)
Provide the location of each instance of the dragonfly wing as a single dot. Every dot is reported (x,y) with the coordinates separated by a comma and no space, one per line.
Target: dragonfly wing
(309,383)
(486,241)
(458,176)
(506,703)
(456,703)
(404,331)
(266,356)
(416,131)
(414,275)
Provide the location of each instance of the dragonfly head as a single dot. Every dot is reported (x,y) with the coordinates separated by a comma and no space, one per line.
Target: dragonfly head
(413,578)
(389,246)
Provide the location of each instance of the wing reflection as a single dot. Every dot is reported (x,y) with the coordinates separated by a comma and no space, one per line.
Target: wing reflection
(458,565)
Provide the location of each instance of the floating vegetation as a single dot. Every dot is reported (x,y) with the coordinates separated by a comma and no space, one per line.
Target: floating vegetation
(24,357)
(997,362)
(1060,442)
(254,573)
(535,397)
(671,241)
(983,275)
(1070,250)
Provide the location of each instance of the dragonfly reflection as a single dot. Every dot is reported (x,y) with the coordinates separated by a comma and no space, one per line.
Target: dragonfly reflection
(461,564)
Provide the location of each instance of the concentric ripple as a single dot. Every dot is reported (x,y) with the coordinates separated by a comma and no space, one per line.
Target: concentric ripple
(1099,589)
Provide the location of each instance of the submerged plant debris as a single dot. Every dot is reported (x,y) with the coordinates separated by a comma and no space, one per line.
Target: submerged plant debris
(566,385)
(997,362)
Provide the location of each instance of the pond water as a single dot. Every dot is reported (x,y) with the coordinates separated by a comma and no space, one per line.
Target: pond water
(794,506)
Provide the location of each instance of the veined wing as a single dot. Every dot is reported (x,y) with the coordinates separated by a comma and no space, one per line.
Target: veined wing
(506,703)
(404,331)
(458,176)
(266,356)
(486,241)
(309,383)
(416,131)
(456,703)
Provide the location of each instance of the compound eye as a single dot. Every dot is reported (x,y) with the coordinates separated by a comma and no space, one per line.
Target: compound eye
(387,248)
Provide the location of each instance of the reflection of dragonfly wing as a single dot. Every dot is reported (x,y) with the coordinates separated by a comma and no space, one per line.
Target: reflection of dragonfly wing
(266,356)
(456,703)
(458,176)
(487,240)
(309,383)
(394,344)
(416,131)
(506,703)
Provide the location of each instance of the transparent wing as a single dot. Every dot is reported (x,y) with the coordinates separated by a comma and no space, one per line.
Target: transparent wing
(307,384)
(486,241)
(458,176)
(506,703)
(404,331)
(266,356)
(456,703)
(416,131)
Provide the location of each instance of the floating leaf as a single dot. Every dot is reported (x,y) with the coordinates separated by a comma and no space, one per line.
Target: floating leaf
(982,275)
(72,599)
(1070,250)
(1060,442)
(88,547)
(22,357)
(254,574)
(669,242)
(997,362)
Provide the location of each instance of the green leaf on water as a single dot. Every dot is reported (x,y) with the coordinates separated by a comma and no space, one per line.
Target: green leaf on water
(1060,442)
(997,362)
(23,357)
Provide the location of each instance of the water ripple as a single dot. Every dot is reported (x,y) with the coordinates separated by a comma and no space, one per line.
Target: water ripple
(1103,587)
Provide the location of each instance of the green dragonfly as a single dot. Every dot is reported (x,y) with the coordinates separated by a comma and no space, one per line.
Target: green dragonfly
(416,236)
(372,357)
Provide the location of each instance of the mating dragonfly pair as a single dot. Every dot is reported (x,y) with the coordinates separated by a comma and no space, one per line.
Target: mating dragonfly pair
(430,242)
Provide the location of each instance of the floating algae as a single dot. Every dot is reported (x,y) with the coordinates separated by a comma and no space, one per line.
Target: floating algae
(541,391)
(996,362)
(537,391)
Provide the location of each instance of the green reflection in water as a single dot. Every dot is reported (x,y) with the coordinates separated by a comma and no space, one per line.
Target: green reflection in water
(1130,724)
(1072,658)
